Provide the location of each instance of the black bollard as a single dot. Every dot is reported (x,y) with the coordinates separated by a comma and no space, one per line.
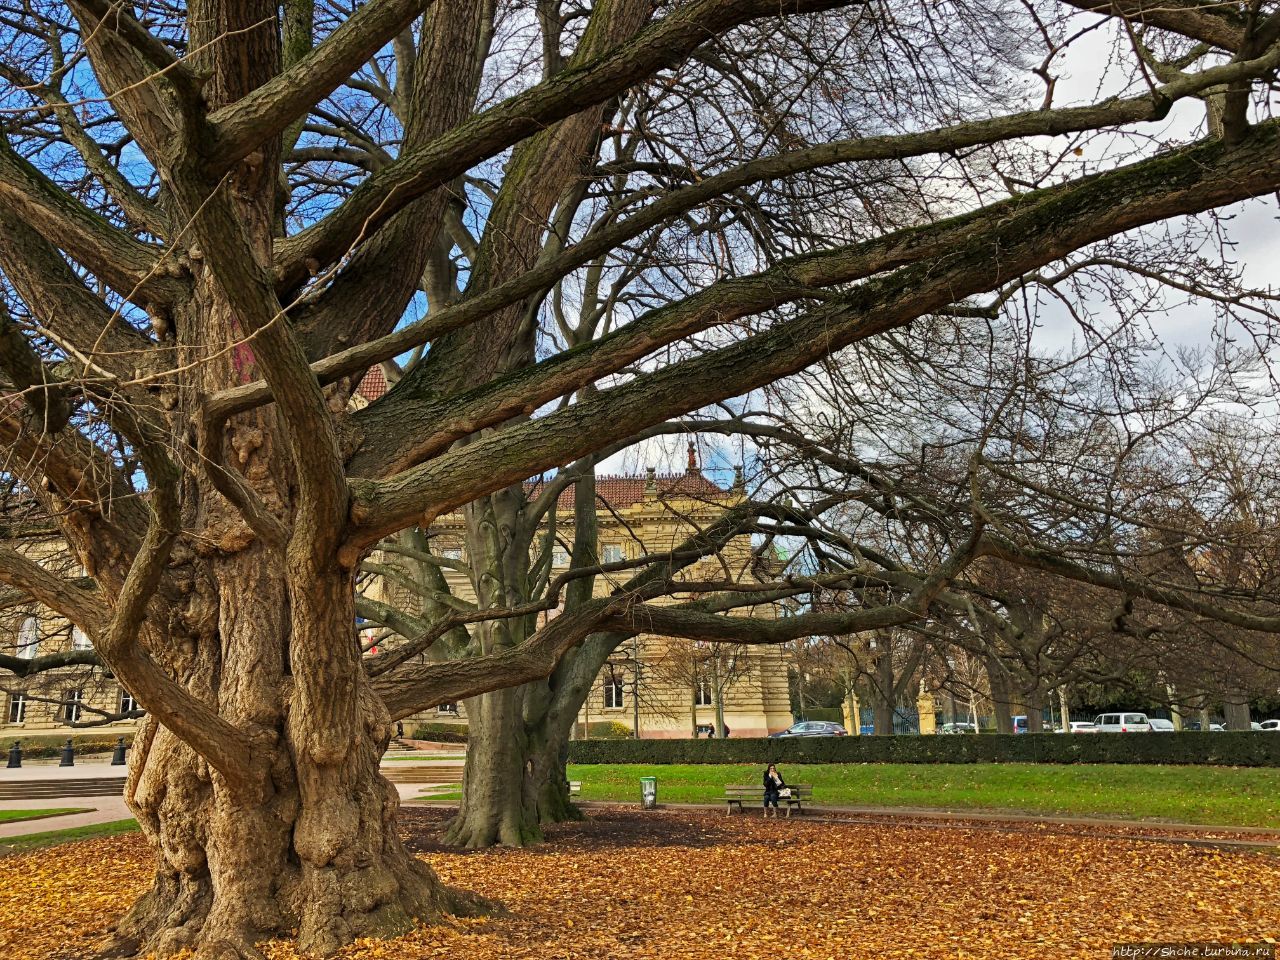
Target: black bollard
(117,757)
(15,754)
(68,755)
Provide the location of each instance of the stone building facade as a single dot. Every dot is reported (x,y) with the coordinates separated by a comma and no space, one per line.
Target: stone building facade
(72,699)
(653,686)
(658,686)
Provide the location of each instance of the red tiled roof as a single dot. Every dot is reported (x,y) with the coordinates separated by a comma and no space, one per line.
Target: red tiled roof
(618,492)
(374,384)
(622,492)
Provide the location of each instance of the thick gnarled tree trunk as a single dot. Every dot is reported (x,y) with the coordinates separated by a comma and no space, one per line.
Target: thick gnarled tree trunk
(296,832)
(237,864)
(303,837)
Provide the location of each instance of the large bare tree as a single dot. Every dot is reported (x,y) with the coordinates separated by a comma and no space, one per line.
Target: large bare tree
(218,216)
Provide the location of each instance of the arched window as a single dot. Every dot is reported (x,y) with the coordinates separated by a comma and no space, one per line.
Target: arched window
(29,638)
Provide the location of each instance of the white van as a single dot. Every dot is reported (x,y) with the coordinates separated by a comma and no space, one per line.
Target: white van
(1122,723)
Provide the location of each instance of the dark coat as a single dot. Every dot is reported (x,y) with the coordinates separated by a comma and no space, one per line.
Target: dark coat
(770,786)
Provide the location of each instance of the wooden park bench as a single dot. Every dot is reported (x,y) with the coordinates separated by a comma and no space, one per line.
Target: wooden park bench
(737,792)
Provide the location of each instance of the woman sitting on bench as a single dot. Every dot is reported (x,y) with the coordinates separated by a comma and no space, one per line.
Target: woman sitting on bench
(773,787)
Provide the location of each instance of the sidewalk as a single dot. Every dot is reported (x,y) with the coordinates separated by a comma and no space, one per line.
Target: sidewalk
(97,810)
(107,809)
(89,768)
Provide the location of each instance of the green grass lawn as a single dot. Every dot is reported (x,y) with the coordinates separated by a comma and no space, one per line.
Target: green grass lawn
(453,794)
(16,816)
(33,841)
(1238,796)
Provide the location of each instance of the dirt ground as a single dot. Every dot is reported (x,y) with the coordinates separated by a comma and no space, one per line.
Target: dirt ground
(696,885)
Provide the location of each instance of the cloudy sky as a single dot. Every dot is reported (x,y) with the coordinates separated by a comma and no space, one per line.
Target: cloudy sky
(1088,71)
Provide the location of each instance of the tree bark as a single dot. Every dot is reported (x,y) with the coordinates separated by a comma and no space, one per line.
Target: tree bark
(533,749)
(1235,711)
(493,808)
(1035,711)
(259,625)
(515,778)
(882,689)
(1000,695)
(298,844)
(547,778)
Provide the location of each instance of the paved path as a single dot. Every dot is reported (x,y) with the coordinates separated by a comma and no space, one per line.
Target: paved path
(107,809)
(88,768)
(98,809)
(101,810)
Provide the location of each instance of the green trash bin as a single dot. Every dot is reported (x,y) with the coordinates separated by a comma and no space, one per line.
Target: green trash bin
(648,792)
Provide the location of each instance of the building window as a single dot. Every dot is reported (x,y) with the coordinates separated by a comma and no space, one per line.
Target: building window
(18,708)
(612,553)
(127,703)
(72,705)
(451,553)
(29,639)
(559,557)
(703,693)
(613,693)
(79,641)
(449,708)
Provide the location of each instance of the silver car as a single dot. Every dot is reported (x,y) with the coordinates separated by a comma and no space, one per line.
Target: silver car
(812,728)
(1161,726)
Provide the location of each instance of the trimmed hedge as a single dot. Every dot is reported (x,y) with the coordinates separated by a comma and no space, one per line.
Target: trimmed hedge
(439,732)
(1231,749)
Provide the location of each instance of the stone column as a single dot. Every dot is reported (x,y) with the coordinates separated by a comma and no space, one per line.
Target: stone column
(852,713)
(925,707)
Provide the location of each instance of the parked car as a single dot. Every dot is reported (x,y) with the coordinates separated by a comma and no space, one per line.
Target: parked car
(1196,725)
(1161,726)
(1254,725)
(1122,723)
(1270,725)
(1083,726)
(812,728)
(958,728)
(1020,725)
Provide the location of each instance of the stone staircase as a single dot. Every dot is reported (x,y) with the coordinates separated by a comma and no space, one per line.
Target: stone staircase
(417,772)
(56,789)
